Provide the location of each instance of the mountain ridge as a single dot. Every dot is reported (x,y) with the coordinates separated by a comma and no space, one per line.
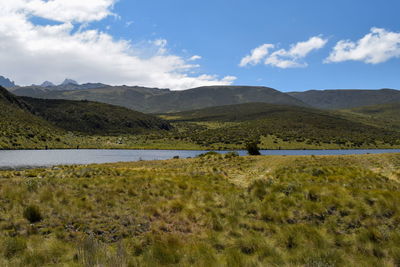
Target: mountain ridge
(154,100)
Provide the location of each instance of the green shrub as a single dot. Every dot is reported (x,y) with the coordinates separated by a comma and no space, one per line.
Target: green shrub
(32,214)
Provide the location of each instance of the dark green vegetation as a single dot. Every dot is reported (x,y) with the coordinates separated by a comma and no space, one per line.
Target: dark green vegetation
(346,99)
(93,117)
(34,123)
(152,100)
(277,126)
(209,211)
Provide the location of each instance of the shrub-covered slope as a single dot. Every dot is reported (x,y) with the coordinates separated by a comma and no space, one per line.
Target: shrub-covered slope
(236,124)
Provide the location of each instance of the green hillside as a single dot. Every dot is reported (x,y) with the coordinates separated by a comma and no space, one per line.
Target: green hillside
(94,118)
(152,100)
(27,123)
(386,115)
(303,127)
(19,128)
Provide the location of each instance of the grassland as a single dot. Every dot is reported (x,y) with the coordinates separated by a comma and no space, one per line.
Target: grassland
(212,210)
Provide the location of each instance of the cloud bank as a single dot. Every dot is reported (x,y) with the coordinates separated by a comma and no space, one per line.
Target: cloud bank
(31,53)
(378,46)
(282,58)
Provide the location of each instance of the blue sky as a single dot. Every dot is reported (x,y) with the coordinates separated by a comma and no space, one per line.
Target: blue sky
(223,32)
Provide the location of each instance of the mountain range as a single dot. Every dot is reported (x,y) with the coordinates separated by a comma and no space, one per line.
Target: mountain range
(154,100)
(214,117)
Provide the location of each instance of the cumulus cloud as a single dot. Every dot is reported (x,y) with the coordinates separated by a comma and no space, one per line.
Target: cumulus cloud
(31,53)
(256,55)
(376,47)
(282,58)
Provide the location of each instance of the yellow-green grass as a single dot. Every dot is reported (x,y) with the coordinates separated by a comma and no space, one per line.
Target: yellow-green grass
(213,210)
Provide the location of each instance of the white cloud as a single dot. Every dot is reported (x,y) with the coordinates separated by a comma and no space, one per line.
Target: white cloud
(292,58)
(376,47)
(62,10)
(256,55)
(32,53)
(194,58)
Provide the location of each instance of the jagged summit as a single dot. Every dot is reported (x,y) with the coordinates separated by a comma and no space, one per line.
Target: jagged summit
(5,82)
(69,82)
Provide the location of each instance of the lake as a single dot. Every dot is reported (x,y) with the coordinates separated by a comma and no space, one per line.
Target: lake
(43,158)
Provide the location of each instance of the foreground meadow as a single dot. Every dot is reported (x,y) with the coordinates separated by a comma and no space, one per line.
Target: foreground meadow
(212,210)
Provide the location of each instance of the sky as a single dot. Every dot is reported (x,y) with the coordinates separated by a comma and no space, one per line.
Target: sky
(289,45)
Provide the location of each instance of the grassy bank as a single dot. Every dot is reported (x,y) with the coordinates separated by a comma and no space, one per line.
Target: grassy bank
(208,211)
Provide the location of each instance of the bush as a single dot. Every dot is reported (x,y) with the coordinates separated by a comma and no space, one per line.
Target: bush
(252,149)
(32,214)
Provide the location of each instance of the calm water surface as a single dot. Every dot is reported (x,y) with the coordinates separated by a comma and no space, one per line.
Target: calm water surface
(42,158)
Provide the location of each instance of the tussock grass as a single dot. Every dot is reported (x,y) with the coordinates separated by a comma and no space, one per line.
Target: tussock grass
(214,210)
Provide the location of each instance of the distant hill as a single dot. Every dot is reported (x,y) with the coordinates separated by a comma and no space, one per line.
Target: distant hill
(235,124)
(346,99)
(153,100)
(6,82)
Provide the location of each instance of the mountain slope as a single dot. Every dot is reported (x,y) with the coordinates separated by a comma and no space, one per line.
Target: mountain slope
(346,99)
(152,100)
(237,124)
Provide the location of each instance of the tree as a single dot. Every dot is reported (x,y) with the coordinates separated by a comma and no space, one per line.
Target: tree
(252,149)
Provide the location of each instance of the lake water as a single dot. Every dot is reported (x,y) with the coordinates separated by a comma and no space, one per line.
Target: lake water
(42,158)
